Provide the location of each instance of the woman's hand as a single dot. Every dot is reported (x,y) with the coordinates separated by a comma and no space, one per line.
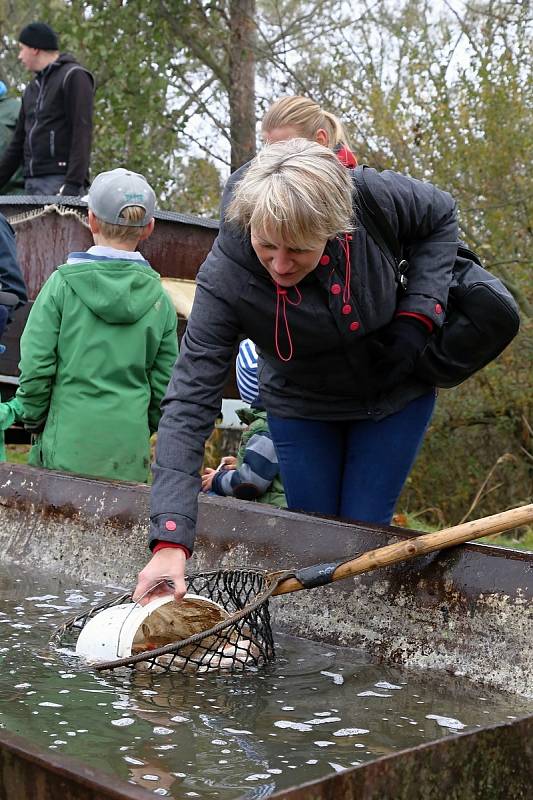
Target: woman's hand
(164,574)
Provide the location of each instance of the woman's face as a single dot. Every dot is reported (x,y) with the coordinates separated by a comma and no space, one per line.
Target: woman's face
(292,132)
(281,134)
(285,265)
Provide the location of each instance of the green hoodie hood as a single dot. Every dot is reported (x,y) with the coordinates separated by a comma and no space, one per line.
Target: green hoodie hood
(117,291)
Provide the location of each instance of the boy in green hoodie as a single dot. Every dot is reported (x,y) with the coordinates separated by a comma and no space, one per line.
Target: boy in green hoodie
(99,345)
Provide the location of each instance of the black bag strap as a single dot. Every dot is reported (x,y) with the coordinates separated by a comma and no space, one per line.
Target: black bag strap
(379,227)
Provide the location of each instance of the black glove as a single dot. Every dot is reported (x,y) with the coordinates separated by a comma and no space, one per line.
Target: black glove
(70,190)
(394,351)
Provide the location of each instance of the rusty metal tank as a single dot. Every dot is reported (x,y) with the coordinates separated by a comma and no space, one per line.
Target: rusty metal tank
(466,610)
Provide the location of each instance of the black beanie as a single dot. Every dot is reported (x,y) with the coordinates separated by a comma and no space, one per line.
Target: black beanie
(39,35)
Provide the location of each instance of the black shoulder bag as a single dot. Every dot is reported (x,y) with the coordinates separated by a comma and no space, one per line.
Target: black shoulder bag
(481,316)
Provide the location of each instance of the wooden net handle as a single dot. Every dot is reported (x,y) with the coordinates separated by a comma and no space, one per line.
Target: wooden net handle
(411,548)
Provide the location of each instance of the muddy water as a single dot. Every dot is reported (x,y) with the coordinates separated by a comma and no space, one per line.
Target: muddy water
(315,711)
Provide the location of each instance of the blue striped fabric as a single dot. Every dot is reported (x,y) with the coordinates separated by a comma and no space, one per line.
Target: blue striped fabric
(246,370)
(256,473)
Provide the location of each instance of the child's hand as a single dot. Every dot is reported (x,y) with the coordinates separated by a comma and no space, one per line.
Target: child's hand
(228,462)
(207,479)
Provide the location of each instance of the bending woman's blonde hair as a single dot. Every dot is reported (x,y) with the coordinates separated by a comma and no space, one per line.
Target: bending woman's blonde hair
(306,117)
(297,190)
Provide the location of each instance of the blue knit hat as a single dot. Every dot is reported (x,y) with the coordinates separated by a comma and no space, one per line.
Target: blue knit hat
(246,369)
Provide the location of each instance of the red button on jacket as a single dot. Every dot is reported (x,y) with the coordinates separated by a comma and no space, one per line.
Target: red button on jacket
(325,260)
(354,326)
(347,309)
(336,288)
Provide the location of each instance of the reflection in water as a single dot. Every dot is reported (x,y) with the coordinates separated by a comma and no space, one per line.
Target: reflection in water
(315,711)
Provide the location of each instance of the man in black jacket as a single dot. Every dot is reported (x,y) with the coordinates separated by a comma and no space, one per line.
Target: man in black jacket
(52,139)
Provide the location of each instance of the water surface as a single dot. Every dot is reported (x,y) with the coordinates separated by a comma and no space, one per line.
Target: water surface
(316,710)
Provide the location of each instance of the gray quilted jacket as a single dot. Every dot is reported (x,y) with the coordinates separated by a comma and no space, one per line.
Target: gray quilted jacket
(325,378)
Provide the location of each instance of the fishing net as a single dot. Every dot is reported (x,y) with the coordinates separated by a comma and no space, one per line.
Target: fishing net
(241,637)
(241,640)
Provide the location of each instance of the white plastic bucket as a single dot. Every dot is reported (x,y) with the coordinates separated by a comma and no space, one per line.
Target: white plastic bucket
(110,634)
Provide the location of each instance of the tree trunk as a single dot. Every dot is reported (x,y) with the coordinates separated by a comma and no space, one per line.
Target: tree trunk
(242,81)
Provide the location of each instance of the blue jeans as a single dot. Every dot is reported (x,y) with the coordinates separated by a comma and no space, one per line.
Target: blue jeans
(351,469)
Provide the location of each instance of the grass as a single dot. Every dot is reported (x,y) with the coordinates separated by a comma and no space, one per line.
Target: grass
(523,540)
(17,453)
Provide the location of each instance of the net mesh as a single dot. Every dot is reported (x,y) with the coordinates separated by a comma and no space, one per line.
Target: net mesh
(240,642)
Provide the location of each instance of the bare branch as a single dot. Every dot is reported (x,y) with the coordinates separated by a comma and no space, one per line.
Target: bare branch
(504,459)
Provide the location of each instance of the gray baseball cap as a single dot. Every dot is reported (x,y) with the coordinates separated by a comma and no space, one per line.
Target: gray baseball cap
(111,192)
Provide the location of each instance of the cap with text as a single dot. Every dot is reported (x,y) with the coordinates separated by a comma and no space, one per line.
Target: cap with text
(112,192)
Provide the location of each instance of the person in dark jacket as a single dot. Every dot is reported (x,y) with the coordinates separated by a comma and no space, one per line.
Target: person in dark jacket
(293,269)
(52,138)
(12,289)
(9,113)
(12,286)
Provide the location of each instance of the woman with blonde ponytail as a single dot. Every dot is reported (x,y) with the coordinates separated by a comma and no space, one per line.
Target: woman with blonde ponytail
(295,116)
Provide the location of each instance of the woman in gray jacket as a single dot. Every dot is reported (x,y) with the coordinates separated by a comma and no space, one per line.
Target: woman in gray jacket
(294,270)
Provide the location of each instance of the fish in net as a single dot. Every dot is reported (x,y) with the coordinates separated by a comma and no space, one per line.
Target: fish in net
(232,633)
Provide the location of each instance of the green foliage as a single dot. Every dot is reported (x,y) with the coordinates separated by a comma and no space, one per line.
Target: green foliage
(128,55)
(444,98)
(197,189)
(516,541)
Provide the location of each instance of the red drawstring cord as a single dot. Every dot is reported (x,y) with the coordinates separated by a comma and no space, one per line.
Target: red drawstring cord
(348,268)
(282,298)
(282,295)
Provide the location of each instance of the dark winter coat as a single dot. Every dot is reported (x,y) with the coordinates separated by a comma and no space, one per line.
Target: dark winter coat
(54,127)
(327,374)
(9,113)
(11,279)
